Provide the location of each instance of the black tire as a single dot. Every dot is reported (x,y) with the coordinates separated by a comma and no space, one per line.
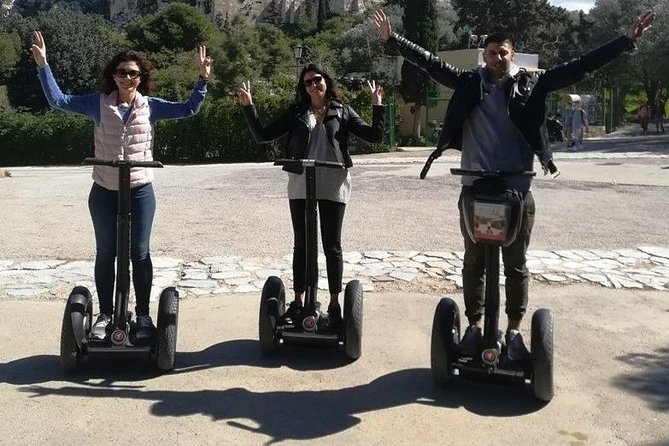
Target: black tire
(353,296)
(542,354)
(77,320)
(166,333)
(272,307)
(445,339)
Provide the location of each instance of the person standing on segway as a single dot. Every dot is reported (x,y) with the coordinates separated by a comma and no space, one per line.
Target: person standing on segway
(496,118)
(318,124)
(124,117)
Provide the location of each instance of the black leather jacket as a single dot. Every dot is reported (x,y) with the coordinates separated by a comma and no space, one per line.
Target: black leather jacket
(339,120)
(526,93)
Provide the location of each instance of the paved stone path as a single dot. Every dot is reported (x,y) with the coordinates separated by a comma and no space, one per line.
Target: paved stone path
(645,267)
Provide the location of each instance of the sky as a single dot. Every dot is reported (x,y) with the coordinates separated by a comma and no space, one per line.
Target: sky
(573,5)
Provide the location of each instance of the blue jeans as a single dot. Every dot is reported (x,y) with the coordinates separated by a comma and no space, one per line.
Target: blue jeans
(103,205)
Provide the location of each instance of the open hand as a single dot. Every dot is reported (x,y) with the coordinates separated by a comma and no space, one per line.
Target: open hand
(205,62)
(244,94)
(377,92)
(383,24)
(38,48)
(640,25)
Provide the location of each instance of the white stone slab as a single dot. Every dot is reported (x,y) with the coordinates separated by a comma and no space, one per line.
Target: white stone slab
(440,254)
(554,277)
(352,257)
(456,279)
(248,288)
(194,274)
(165,262)
(604,254)
(655,251)
(632,253)
(571,255)
(380,255)
(542,254)
(404,275)
(225,275)
(38,264)
(205,284)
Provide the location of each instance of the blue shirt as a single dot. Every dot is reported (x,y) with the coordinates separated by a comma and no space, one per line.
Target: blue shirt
(89,104)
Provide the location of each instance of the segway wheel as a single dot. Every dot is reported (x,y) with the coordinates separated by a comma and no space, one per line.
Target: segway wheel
(353,319)
(272,307)
(445,339)
(542,354)
(77,320)
(166,333)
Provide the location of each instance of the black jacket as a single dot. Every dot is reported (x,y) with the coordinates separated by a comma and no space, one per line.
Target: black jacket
(339,120)
(526,93)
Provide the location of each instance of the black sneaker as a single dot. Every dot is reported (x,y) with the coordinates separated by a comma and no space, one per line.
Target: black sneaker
(334,316)
(515,347)
(99,329)
(472,342)
(292,314)
(144,328)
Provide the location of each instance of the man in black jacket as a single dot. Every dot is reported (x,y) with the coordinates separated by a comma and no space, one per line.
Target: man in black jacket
(496,117)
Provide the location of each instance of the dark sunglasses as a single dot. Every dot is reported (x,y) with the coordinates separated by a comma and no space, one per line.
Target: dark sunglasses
(313,81)
(131,74)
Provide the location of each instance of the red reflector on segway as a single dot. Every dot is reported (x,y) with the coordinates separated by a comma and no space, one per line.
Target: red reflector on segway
(118,336)
(490,356)
(309,323)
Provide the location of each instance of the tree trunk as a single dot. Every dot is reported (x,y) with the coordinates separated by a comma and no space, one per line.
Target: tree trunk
(418,114)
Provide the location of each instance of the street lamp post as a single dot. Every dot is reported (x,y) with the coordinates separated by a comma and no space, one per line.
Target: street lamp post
(297,52)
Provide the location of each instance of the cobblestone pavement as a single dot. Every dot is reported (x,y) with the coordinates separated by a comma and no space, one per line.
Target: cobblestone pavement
(645,267)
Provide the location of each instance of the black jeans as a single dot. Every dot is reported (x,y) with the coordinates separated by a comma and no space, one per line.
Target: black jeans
(331,219)
(103,205)
(515,268)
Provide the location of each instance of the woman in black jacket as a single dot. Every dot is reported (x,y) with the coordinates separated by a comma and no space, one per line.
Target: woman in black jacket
(318,125)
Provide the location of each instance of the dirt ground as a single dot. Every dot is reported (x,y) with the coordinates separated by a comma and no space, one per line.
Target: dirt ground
(612,386)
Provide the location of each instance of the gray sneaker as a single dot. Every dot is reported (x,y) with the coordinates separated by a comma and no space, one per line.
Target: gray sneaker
(515,347)
(99,328)
(472,342)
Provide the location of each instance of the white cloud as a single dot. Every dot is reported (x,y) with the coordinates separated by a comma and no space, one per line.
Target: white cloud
(574,5)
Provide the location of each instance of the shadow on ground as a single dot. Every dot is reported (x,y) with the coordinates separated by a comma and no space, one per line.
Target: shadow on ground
(116,368)
(302,415)
(649,380)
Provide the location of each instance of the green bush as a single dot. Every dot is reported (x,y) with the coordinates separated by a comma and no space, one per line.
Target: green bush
(217,134)
(44,139)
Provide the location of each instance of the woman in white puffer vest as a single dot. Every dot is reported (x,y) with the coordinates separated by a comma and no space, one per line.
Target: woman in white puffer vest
(124,116)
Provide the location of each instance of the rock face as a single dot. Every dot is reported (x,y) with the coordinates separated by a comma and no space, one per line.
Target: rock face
(276,11)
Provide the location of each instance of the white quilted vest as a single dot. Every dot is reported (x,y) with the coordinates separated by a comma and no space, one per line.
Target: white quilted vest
(116,140)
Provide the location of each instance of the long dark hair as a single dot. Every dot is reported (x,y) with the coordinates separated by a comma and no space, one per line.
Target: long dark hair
(301,95)
(146,86)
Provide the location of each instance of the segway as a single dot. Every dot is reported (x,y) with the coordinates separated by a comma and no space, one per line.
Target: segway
(312,325)
(75,342)
(493,217)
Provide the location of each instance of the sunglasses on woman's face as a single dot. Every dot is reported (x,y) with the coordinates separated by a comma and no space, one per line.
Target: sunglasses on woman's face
(313,81)
(130,74)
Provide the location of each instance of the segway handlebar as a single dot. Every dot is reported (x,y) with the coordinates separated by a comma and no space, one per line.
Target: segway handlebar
(309,163)
(493,173)
(118,163)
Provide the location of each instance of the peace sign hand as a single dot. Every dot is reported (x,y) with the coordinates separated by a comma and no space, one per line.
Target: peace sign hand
(205,62)
(244,93)
(38,48)
(640,25)
(377,92)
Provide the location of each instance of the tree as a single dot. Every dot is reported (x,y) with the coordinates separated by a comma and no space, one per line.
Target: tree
(10,50)
(646,68)
(420,26)
(178,27)
(78,46)
(322,14)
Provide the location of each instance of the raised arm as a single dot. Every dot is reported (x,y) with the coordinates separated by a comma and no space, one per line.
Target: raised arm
(162,109)
(356,125)
(261,134)
(569,73)
(440,71)
(87,105)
